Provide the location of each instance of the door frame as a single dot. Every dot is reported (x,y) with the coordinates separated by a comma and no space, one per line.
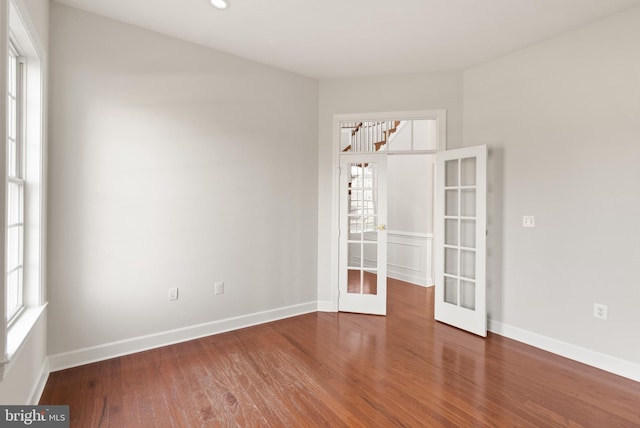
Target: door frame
(439,115)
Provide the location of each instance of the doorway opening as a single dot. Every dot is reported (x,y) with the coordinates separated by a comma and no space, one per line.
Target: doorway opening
(385,167)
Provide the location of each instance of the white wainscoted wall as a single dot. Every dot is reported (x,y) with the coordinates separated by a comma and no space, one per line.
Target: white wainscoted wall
(410,257)
(410,220)
(410,209)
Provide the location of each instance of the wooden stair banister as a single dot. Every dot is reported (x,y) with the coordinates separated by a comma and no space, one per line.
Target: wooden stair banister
(373,134)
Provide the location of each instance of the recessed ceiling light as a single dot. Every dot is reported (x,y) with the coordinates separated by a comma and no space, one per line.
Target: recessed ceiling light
(220,4)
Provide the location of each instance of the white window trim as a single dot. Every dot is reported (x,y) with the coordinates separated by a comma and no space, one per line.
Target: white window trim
(18,177)
(15,19)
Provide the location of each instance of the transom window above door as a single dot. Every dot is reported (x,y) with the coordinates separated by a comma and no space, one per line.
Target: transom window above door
(389,136)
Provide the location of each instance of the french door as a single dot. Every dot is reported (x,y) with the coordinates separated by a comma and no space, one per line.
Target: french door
(363,234)
(460,238)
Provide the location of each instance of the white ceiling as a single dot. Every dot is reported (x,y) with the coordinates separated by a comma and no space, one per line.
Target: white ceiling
(358,38)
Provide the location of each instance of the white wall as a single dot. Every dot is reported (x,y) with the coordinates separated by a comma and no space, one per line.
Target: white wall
(383,94)
(172,165)
(410,189)
(28,367)
(562,121)
(38,11)
(415,135)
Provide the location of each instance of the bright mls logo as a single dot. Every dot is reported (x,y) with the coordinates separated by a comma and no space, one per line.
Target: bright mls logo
(34,416)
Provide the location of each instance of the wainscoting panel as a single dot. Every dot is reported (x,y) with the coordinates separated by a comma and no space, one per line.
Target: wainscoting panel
(409,257)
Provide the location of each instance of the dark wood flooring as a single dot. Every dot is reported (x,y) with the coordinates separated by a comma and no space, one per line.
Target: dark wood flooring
(368,284)
(335,370)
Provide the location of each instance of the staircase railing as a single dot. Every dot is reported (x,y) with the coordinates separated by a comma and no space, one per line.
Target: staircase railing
(370,136)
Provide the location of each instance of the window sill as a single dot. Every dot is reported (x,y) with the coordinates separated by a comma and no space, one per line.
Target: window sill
(18,334)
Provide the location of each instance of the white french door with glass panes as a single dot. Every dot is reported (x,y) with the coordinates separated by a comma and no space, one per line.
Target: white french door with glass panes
(460,238)
(363,234)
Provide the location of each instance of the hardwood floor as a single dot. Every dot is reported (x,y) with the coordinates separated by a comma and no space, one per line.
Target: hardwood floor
(368,284)
(326,369)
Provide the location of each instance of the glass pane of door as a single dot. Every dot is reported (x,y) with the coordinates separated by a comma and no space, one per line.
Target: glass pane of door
(363,221)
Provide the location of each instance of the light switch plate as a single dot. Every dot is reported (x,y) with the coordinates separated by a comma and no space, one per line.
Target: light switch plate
(528,221)
(219,288)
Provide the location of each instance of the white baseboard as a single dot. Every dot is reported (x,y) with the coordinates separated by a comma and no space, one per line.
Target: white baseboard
(595,359)
(412,279)
(129,346)
(38,388)
(143,343)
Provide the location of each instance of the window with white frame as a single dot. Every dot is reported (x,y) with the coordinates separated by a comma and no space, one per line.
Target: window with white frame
(15,184)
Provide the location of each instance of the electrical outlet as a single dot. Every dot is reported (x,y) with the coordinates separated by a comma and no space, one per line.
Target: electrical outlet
(173,294)
(219,288)
(528,221)
(600,311)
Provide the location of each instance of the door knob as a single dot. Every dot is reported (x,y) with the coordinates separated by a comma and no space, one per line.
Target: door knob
(382,227)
